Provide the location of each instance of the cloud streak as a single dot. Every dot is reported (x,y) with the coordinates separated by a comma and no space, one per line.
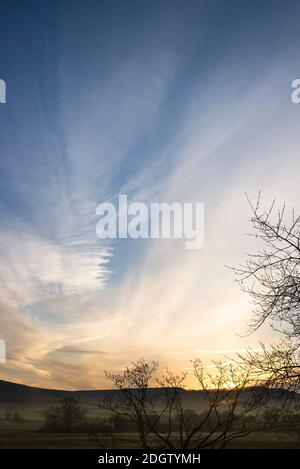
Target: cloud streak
(165,104)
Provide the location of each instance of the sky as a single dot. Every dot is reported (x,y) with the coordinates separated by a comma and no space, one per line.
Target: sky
(161,100)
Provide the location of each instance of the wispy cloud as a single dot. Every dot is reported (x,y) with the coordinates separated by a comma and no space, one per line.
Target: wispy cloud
(164,107)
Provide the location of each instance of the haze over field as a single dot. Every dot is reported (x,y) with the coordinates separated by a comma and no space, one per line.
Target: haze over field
(163,101)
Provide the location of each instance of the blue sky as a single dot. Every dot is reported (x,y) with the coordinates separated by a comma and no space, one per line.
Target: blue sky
(164,101)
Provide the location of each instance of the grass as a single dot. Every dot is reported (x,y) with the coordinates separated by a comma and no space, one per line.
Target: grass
(25,435)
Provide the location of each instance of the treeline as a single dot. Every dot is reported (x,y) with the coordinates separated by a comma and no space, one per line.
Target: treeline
(13,416)
(70,416)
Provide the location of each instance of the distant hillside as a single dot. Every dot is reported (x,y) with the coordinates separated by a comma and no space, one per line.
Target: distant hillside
(21,394)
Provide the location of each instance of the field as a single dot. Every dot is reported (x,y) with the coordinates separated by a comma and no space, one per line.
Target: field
(29,439)
(22,416)
(26,435)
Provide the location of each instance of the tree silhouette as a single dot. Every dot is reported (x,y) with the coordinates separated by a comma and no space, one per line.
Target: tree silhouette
(71,411)
(271,277)
(230,403)
(64,415)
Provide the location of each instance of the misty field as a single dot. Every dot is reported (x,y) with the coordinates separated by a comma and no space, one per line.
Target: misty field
(41,418)
(27,434)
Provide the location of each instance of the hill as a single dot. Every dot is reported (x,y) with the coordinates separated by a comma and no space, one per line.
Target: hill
(18,393)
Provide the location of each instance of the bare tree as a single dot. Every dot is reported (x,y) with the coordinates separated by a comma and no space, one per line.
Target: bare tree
(71,412)
(52,418)
(230,403)
(14,416)
(277,365)
(134,400)
(61,417)
(271,277)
